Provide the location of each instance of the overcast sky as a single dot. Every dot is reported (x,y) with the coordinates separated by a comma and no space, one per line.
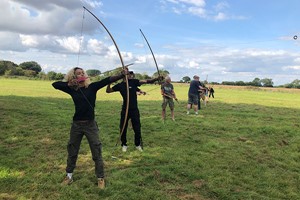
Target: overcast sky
(223,40)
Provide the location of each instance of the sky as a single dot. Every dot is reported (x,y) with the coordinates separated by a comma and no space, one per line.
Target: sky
(219,40)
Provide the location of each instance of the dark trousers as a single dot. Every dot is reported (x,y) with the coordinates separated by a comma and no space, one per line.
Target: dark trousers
(134,115)
(212,94)
(91,131)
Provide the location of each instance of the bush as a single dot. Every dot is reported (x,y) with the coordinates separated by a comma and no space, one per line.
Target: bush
(30,73)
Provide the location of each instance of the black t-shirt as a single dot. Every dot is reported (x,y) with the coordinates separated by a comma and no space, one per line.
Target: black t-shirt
(133,88)
(83,98)
(194,87)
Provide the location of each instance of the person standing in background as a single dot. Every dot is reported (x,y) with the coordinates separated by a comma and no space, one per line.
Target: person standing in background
(167,92)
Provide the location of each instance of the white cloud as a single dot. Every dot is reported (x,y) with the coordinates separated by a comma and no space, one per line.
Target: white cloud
(297,67)
(218,12)
(92,3)
(198,11)
(49,33)
(220,16)
(231,64)
(261,53)
(127,56)
(139,45)
(176,10)
(193,64)
(140,59)
(53,4)
(198,3)
(297,60)
(43,17)
(221,6)
(28,40)
(71,44)
(11,42)
(52,26)
(97,47)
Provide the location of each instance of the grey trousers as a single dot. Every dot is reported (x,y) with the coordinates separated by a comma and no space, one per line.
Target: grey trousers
(91,131)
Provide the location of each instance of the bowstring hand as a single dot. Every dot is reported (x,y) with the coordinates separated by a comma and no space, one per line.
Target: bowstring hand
(125,71)
(160,78)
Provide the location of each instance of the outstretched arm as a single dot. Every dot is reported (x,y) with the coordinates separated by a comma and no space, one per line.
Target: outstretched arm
(104,82)
(149,81)
(201,87)
(123,73)
(116,77)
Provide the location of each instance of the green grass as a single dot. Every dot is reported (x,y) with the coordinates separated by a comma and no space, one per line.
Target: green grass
(245,144)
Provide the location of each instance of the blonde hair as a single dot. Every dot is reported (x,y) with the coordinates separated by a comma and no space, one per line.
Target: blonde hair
(71,75)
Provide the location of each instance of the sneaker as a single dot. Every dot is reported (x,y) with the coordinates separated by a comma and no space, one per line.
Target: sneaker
(188,112)
(196,113)
(173,119)
(124,148)
(67,181)
(139,148)
(101,183)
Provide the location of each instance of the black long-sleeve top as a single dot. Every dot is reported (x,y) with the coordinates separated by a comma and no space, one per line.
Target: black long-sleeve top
(84,98)
(133,88)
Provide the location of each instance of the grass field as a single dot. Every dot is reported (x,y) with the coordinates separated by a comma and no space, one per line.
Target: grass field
(245,144)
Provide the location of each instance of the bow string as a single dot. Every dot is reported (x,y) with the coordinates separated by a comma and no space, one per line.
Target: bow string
(152,54)
(123,66)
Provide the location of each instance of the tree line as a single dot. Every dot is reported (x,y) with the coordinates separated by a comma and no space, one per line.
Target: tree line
(34,70)
(265,82)
(257,82)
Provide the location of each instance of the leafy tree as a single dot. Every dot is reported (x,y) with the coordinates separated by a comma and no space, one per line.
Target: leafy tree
(138,76)
(267,82)
(112,72)
(296,83)
(93,72)
(51,75)
(288,85)
(142,76)
(240,83)
(10,72)
(31,65)
(228,83)
(146,76)
(42,75)
(6,65)
(163,73)
(17,71)
(214,83)
(59,76)
(293,84)
(256,82)
(186,79)
(29,73)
